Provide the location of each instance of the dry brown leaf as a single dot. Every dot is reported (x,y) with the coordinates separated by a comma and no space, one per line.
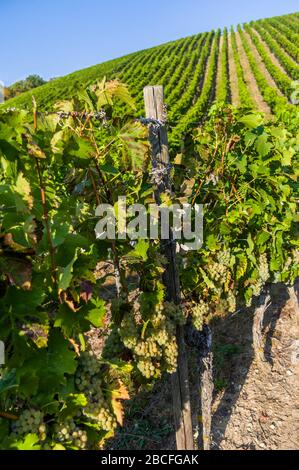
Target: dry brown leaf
(75,346)
(121,393)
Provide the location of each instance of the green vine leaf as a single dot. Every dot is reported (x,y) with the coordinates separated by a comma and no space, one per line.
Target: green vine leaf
(66,274)
(96,312)
(30,442)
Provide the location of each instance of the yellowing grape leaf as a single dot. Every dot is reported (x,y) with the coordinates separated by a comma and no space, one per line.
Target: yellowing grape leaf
(117,394)
(34,150)
(106,91)
(22,187)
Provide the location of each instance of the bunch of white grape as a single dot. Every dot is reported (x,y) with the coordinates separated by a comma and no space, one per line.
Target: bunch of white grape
(147,348)
(89,361)
(94,389)
(174,312)
(157,316)
(146,367)
(81,380)
(89,366)
(288,263)
(161,336)
(257,288)
(264,275)
(113,345)
(224,257)
(99,412)
(231,301)
(156,344)
(68,433)
(199,313)
(30,421)
(88,379)
(218,272)
(129,331)
(171,355)
(144,349)
(264,268)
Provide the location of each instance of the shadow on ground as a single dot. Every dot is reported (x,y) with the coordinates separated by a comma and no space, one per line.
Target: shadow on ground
(234,356)
(148,418)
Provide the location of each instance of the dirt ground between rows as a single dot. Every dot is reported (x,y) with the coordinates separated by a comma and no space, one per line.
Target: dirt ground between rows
(255,406)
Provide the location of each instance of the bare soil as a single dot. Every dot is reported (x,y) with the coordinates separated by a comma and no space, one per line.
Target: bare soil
(259,408)
(270,53)
(233,79)
(203,77)
(250,80)
(256,405)
(219,65)
(261,64)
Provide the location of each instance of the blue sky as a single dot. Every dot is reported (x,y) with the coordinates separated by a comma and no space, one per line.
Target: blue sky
(56,37)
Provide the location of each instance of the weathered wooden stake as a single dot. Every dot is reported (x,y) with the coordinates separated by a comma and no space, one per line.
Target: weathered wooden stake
(294,299)
(201,342)
(264,303)
(155,113)
(207,387)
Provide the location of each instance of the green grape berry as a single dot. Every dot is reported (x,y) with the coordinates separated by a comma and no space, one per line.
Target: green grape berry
(30,422)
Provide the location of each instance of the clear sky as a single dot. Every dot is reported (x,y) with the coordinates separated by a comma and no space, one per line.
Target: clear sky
(56,37)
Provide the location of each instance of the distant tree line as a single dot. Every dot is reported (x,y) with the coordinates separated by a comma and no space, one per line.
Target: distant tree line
(32,81)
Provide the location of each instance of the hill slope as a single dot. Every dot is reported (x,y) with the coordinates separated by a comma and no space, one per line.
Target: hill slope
(253,66)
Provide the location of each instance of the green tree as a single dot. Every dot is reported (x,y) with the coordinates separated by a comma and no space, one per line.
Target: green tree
(32,81)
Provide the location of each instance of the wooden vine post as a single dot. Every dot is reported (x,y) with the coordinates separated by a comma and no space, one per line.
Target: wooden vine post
(156,116)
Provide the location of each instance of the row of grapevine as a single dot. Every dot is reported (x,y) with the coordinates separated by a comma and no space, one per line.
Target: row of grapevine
(138,61)
(283,82)
(183,81)
(151,64)
(281,25)
(171,80)
(244,95)
(153,69)
(290,66)
(137,66)
(291,23)
(286,37)
(170,72)
(207,93)
(180,67)
(168,65)
(269,94)
(223,91)
(136,58)
(187,98)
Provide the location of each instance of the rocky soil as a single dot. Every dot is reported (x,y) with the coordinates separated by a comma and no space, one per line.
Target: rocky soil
(256,402)
(259,407)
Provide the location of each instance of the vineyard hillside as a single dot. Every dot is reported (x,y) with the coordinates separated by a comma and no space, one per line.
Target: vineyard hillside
(129,316)
(253,65)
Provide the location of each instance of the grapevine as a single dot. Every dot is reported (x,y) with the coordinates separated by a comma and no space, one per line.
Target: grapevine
(59,163)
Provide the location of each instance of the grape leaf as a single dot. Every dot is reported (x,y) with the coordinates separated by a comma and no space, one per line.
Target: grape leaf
(140,250)
(29,443)
(96,312)
(66,274)
(252,121)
